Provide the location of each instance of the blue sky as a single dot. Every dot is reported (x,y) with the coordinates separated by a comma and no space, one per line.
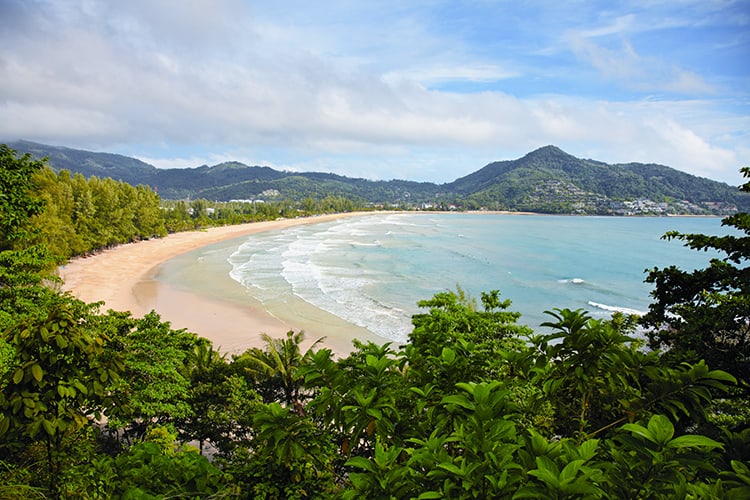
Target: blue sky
(418,90)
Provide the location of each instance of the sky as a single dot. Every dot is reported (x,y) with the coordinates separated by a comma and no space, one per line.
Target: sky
(417,90)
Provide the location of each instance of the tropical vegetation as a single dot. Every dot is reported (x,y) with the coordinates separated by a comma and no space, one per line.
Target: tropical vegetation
(100,404)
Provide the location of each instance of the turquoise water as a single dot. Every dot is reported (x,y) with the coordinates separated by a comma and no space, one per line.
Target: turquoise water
(371,270)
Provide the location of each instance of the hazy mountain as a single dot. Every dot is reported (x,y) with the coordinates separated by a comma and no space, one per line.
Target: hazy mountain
(88,163)
(546,180)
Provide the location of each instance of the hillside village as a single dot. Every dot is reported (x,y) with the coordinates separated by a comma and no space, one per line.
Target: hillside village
(559,196)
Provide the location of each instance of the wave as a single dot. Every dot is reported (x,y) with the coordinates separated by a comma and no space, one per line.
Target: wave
(371,271)
(341,290)
(624,310)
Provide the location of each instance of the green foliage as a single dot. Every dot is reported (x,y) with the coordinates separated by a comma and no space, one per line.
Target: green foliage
(476,442)
(149,470)
(560,469)
(60,380)
(17,204)
(154,377)
(705,313)
(596,377)
(382,476)
(473,338)
(290,458)
(17,482)
(649,461)
(276,368)
(83,215)
(373,425)
(356,399)
(473,406)
(208,397)
(23,266)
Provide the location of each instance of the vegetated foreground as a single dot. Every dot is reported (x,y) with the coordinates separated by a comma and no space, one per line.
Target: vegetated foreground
(101,404)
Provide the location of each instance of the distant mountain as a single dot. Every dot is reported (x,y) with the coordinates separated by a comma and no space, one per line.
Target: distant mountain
(551,180)
(118,167)
(546,180)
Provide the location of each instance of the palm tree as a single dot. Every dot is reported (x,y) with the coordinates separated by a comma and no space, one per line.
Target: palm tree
(203,357)
(278,364)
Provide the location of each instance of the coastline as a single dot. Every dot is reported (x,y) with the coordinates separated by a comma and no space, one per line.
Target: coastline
(125,279)
(151,275)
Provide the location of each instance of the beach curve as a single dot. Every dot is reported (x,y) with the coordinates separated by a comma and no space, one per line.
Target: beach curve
(122,278)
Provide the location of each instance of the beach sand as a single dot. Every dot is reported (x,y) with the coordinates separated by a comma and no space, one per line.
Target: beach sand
(124,278)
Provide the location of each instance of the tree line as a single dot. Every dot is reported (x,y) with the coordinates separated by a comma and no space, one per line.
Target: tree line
(83,215)
(475,404)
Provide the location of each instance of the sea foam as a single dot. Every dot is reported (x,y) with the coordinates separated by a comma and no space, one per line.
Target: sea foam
(372,270)
(624,310)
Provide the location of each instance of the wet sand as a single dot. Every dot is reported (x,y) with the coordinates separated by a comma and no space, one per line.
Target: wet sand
(124,278)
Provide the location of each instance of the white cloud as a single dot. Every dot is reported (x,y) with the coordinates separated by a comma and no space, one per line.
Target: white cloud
(344,90)
(620,25)
(625,67)
(694,153)
(448,73)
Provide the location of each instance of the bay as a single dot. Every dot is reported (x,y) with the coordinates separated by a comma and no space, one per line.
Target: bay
(371,270)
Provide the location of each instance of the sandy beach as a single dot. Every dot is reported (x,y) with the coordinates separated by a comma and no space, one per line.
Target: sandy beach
(123,278)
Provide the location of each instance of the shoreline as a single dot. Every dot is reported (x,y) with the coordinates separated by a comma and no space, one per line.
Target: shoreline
(124,278)
(135,277)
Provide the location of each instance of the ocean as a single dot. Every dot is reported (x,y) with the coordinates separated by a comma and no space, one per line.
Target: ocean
(371,270)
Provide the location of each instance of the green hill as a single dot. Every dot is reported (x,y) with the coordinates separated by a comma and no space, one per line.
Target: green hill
(551,180)
(546,180)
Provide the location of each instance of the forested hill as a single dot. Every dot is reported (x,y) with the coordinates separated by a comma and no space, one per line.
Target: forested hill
(551,180)
(546,180)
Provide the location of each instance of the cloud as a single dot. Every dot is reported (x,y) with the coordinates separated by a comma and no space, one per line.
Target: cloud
(625,67)
(360,89)
(451,73)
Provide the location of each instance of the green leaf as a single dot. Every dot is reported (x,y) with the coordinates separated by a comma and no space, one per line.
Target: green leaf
(62,342)
(640,431)
(17,376)
(37,372)
(547,477)
(78,385)
(453,468)
(362,463)
(570,470)
(546,464)
(430,494)
(587,449)
(693,440)
(721,375)
(448,355)
(34,427)
(740,468)
(456,399)
(661,428)
(375,413)
(49,427)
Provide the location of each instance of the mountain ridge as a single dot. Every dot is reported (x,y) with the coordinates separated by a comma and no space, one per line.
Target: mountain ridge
(547,179)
